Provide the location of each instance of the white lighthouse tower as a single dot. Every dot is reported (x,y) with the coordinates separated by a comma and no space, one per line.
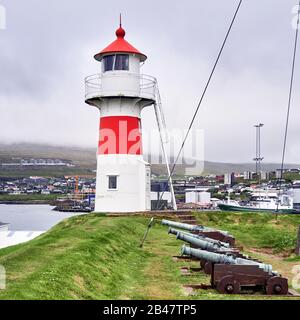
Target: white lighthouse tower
(120,92)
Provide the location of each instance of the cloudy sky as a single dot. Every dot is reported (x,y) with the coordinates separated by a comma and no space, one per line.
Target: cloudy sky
(47,49)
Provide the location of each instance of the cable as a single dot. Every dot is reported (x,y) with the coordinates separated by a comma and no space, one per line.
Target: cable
(202,97)
(289,102)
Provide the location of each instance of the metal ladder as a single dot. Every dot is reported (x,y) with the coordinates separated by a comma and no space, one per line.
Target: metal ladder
(161,123)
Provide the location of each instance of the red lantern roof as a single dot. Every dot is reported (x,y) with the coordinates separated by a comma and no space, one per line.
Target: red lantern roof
(120,45)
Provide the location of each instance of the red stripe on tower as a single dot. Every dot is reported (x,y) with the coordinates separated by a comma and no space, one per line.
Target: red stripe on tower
(120,135)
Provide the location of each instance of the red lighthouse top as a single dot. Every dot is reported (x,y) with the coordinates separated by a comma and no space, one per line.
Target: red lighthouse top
(120,45)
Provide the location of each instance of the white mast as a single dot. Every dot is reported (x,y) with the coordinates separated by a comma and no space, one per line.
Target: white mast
(164,139)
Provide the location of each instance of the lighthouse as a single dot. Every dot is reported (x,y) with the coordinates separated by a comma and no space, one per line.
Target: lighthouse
(121,92)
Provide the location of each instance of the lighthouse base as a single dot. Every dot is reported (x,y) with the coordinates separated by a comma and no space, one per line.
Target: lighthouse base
(123,184)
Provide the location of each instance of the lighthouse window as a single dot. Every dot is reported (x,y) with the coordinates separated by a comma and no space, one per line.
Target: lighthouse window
(108,62)
(116,62)
(112,182)
(122,62)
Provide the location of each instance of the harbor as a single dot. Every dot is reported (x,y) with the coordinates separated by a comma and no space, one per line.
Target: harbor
(26,222)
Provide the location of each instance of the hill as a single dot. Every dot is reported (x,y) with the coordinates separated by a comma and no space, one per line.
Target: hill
(84,160)
(98,257)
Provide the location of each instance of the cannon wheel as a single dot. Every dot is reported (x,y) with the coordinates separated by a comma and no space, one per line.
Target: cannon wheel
(277,285)
(202,263)
(208,267)
(229,285)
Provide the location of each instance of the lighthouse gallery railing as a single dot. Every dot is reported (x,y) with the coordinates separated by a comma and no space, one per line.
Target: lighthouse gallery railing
(147,86)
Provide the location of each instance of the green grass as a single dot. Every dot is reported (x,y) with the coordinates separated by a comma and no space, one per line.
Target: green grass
(91,257)
(260,230)
(28,197)
(46,172)
(98,257)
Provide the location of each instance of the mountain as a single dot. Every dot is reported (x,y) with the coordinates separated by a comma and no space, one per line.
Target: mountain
(221,168)
(85,158)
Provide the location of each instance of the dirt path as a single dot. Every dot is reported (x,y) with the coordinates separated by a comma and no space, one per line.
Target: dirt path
(277,261)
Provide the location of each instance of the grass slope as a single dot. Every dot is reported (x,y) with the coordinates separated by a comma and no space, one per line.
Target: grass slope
(98,257)
(260,230)
(28,197)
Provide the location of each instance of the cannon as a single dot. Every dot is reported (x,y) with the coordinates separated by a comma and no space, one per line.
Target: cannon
(224,258)
(204,244)
(189,227)
(231,274)
(175,232)
(219,235)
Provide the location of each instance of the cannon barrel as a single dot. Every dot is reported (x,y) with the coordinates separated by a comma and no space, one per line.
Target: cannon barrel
(220,243)
(189,227)
(224,259)
(202,243)
(180,225)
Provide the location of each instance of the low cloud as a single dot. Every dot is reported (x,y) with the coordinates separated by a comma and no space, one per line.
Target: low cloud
(47,50)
